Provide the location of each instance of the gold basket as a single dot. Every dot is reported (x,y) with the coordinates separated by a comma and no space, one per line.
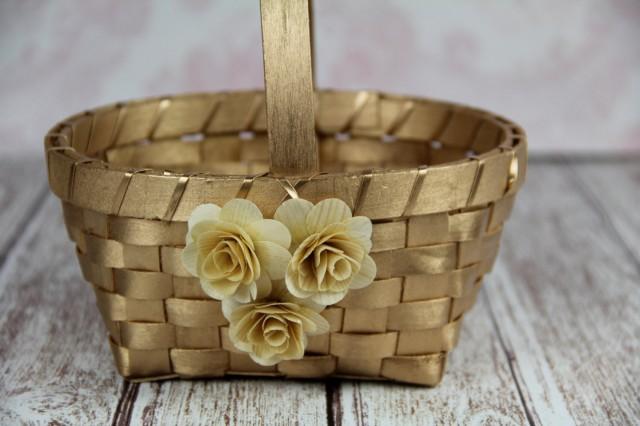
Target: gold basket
(437,179)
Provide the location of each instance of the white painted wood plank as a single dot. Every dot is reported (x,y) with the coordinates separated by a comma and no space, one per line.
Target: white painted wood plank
(565,299)
(54,351)
(477,388)
(22,186)
(235,401)
(565,296)
(56,365)
(616,188)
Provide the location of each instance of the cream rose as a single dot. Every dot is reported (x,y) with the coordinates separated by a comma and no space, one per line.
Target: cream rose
(274,328)
(235,251)
(331,249)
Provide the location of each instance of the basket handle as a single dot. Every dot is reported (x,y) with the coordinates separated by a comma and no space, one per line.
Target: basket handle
(288,78)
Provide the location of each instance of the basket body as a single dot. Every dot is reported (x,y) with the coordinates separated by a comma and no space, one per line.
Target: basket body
(437,179)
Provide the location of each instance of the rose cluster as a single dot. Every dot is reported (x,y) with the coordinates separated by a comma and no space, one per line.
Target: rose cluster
(275,276)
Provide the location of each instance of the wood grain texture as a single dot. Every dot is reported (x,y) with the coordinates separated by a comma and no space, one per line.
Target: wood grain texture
(22,187)
(286,42)
(566,301)
(55,364)
(477,388)
(235,401)
(553,338)
(614,190)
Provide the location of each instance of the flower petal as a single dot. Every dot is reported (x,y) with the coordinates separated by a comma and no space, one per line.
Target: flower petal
(273,258)
(360,229)
(218,290)
(269,230)
(292,285)
(240,211)
(320,322)
(327,212)
(360,225)
(263,287)
(311,304)
(189,258)
(203,212)
(281,292)
(328,298)
(245,293)
(293,214)
(267,362)
(238,343)
(228,306)
(365,275)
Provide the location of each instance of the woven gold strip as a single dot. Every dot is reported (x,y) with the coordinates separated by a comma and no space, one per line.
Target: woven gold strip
(418,342)
(431,244)
(247,183)
(178,192)
(288,188)
(213,110)
(365,181)
(117,128)
(401,118)
(476,180)
(425,370)
(163,105)
(358,106)
(121,192)
(252,114)
(415,190)
(72,176)
(87,147)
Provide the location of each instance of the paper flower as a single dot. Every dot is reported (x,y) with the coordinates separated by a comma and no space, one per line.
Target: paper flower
(331,249)
(235,251)
(274,328)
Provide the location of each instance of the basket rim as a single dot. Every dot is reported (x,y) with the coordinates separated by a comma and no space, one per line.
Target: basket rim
(485,114)
(60,152)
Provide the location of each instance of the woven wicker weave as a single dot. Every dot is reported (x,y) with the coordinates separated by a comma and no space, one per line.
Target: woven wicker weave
(437,179)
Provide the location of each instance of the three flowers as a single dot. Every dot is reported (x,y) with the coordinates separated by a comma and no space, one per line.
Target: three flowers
(275,276)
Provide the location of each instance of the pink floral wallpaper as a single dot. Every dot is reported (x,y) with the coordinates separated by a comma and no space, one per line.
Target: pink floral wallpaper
(569,70)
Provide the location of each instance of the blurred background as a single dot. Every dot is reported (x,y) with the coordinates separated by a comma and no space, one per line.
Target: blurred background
(568,71)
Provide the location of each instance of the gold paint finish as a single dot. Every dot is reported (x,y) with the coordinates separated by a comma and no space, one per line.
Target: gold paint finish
(438,180)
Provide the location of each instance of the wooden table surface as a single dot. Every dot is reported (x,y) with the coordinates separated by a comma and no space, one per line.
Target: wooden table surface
(553,339)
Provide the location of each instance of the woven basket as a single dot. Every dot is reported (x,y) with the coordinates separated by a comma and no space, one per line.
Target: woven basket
(437,179)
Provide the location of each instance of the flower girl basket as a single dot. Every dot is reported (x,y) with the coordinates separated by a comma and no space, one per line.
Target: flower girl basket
(437,180)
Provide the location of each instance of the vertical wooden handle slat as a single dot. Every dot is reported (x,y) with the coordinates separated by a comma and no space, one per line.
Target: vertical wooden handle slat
(286,44)
(312,35)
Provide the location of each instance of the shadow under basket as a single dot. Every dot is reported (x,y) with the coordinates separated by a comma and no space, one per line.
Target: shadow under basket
(437,180)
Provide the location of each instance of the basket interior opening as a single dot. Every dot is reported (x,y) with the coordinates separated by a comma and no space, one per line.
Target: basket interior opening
(187,135)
